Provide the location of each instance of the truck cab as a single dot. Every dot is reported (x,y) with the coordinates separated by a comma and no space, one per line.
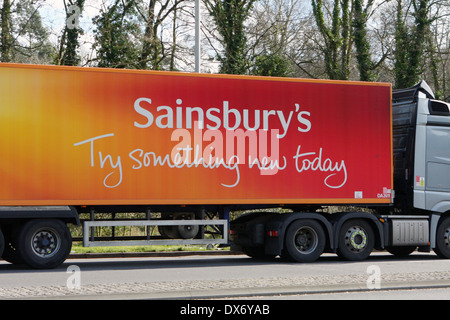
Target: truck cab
(421,128)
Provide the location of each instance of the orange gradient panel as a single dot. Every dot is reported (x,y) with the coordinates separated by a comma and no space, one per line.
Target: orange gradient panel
(78,136)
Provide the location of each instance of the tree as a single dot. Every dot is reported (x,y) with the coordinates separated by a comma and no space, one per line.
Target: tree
(271,65)
(274,29)
(31,43)
(362,45)
(230,16)
(419,39)
(337,37)
(410,43)
(69,44)
(401,66)
(23,37)
(438,53)
(117,30)
(6,32)
(133,33)
(154,13)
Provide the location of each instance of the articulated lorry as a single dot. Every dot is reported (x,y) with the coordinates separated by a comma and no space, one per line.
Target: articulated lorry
(178,154)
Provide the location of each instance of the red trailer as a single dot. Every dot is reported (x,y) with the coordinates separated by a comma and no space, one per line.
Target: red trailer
(76,140)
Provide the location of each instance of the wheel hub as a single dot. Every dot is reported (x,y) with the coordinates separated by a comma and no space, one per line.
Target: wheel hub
(356,239)
(45,243)
(306,240)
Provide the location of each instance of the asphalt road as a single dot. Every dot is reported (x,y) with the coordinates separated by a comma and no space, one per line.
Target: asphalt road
(398,294)
(204,277)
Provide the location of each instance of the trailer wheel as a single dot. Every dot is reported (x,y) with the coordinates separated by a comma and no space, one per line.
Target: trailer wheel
(2,242)
(443,239)
(10,252)
(356,240)
(168,232)
(179,231)
(44,244)
(188,231)
(305,240)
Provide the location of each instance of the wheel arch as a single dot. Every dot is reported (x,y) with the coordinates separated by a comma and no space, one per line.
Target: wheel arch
(376,225)
(439,245)
(290,218)
(68,214)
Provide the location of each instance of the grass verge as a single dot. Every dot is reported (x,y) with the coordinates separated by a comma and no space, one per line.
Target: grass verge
(78,248)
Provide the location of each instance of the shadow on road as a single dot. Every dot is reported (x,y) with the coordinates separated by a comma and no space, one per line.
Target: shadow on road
(197,262)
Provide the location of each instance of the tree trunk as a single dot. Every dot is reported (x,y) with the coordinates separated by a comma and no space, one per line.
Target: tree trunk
(6,33)
(149,46)
(69,43)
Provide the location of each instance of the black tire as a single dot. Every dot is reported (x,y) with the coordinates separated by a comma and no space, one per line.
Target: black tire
(10,252)
(305,241)
(356,240)
(168,232)
(443,239)
(2,243)
(44,244)
(179,232)
(188,231)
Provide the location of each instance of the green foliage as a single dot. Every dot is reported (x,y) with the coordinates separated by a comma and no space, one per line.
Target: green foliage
(26,39)
(78,249)
(337,38)
(401,50)
(69,42)
(363,56)
(230,16)
(410,44)
(116,31)
(271,65)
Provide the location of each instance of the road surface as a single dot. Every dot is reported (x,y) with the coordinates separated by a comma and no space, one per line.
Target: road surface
(200,277)
(397,294)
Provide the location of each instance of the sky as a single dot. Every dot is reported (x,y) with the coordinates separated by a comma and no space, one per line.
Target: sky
(53,12)
(53,17)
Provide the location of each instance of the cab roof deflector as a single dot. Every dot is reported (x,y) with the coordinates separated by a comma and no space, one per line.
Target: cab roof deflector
(411,94)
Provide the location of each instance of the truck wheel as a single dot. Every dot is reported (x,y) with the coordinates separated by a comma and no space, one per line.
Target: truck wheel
(188,231)
(443,239)
(179,232)
(44,244)
(168,232)
(10,252)
(2,242)
(305,240)
(356,240)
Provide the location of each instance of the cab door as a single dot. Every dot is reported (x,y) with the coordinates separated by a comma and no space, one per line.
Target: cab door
(437,180)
